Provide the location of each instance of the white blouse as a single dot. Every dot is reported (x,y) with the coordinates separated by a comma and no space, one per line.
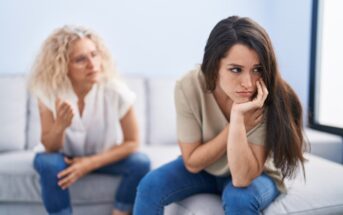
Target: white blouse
(99,127)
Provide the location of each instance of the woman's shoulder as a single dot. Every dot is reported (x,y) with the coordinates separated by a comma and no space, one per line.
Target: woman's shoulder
(192,83)
(117,89)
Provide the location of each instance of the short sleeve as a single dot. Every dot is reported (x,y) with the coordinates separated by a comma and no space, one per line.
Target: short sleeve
(188,127)
(257,135)
(126,99)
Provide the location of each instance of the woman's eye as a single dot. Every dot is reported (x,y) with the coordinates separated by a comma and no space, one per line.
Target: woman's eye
(80,59)
(235,70)
(94,54)
(258,70)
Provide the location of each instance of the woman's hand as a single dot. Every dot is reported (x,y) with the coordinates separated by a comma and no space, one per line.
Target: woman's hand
(64,113)
(78,167)
(253,118)
(256,103)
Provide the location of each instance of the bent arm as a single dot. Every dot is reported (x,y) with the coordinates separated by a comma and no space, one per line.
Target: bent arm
(245,160)
(197,156)
(130,143)
(52,136)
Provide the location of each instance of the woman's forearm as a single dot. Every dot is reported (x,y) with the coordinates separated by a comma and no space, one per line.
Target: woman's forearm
(54,139)
(114,154)
(242,162)
(208,153)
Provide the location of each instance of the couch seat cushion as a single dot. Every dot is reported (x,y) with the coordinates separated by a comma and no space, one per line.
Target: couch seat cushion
(20,182)
(321,194)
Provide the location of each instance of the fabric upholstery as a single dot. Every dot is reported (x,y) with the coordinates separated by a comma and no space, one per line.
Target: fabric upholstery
(162,115)
(13,112)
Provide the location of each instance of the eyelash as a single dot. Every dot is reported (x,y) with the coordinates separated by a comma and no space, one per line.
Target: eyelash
(237,70)
(82,58)
(258,70)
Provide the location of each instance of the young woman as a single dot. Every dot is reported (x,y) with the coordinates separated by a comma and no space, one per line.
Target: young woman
(87,120)
(239,127)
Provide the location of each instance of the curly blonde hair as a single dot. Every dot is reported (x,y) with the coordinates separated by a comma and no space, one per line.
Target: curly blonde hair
(49,76)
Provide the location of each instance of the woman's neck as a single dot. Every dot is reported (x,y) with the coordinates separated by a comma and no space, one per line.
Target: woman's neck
(81,90)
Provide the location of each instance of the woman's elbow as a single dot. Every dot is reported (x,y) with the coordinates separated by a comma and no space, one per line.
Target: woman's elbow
(241,182)
(191,168)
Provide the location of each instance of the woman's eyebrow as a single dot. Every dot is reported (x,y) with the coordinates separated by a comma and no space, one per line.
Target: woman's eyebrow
(234,64)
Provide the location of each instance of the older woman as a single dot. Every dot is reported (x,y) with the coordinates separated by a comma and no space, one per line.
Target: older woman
(87,120)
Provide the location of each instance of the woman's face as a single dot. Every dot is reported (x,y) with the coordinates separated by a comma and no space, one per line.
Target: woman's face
(85,62)
(238,72)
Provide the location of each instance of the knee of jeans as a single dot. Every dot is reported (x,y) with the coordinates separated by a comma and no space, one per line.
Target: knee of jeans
(152,185)
(139,163)
(235,198)
(49,163)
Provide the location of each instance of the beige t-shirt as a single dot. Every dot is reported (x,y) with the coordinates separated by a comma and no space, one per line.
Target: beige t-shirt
(199,118)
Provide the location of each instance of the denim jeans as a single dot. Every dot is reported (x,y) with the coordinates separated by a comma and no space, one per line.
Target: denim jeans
(57,201)
(172,182)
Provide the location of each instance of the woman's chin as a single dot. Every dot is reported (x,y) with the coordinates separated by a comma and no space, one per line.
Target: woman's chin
(94,79)
(242,100)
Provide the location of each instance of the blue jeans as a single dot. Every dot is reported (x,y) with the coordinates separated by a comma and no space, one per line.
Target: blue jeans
(172,182)
(57,201)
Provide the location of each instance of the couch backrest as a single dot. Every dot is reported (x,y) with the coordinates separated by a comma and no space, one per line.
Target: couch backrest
(13,111)
(161,111)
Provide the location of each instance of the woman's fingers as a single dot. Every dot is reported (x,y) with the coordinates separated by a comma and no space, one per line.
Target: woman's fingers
(68,160)
(67,181)
(262,93)
(65,172)
(259,96)
(265,90)
(64,112)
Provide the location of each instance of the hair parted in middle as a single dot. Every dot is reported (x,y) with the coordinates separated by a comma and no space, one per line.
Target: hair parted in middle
(284,120)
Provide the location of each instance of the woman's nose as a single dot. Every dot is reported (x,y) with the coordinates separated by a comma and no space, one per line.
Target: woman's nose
(91,63)
(246,80)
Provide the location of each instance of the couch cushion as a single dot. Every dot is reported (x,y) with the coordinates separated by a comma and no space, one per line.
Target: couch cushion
(20,182)
(325,145)
(321,194)
(13,112)
(201,204)
(162,123)
(136,84)
(33,124)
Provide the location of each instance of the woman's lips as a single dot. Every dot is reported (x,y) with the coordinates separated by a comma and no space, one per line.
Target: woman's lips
(92,73)
(245,93)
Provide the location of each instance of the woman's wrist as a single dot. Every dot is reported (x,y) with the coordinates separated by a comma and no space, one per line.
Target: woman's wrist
(93,163)
(58,127)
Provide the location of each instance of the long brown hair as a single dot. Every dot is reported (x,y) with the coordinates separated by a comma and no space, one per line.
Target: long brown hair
(284,136)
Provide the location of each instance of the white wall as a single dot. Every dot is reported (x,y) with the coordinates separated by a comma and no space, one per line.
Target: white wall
(150,37)
(291,33)
(155,37)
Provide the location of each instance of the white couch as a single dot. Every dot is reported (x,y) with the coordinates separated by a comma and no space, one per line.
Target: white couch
(20,191)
